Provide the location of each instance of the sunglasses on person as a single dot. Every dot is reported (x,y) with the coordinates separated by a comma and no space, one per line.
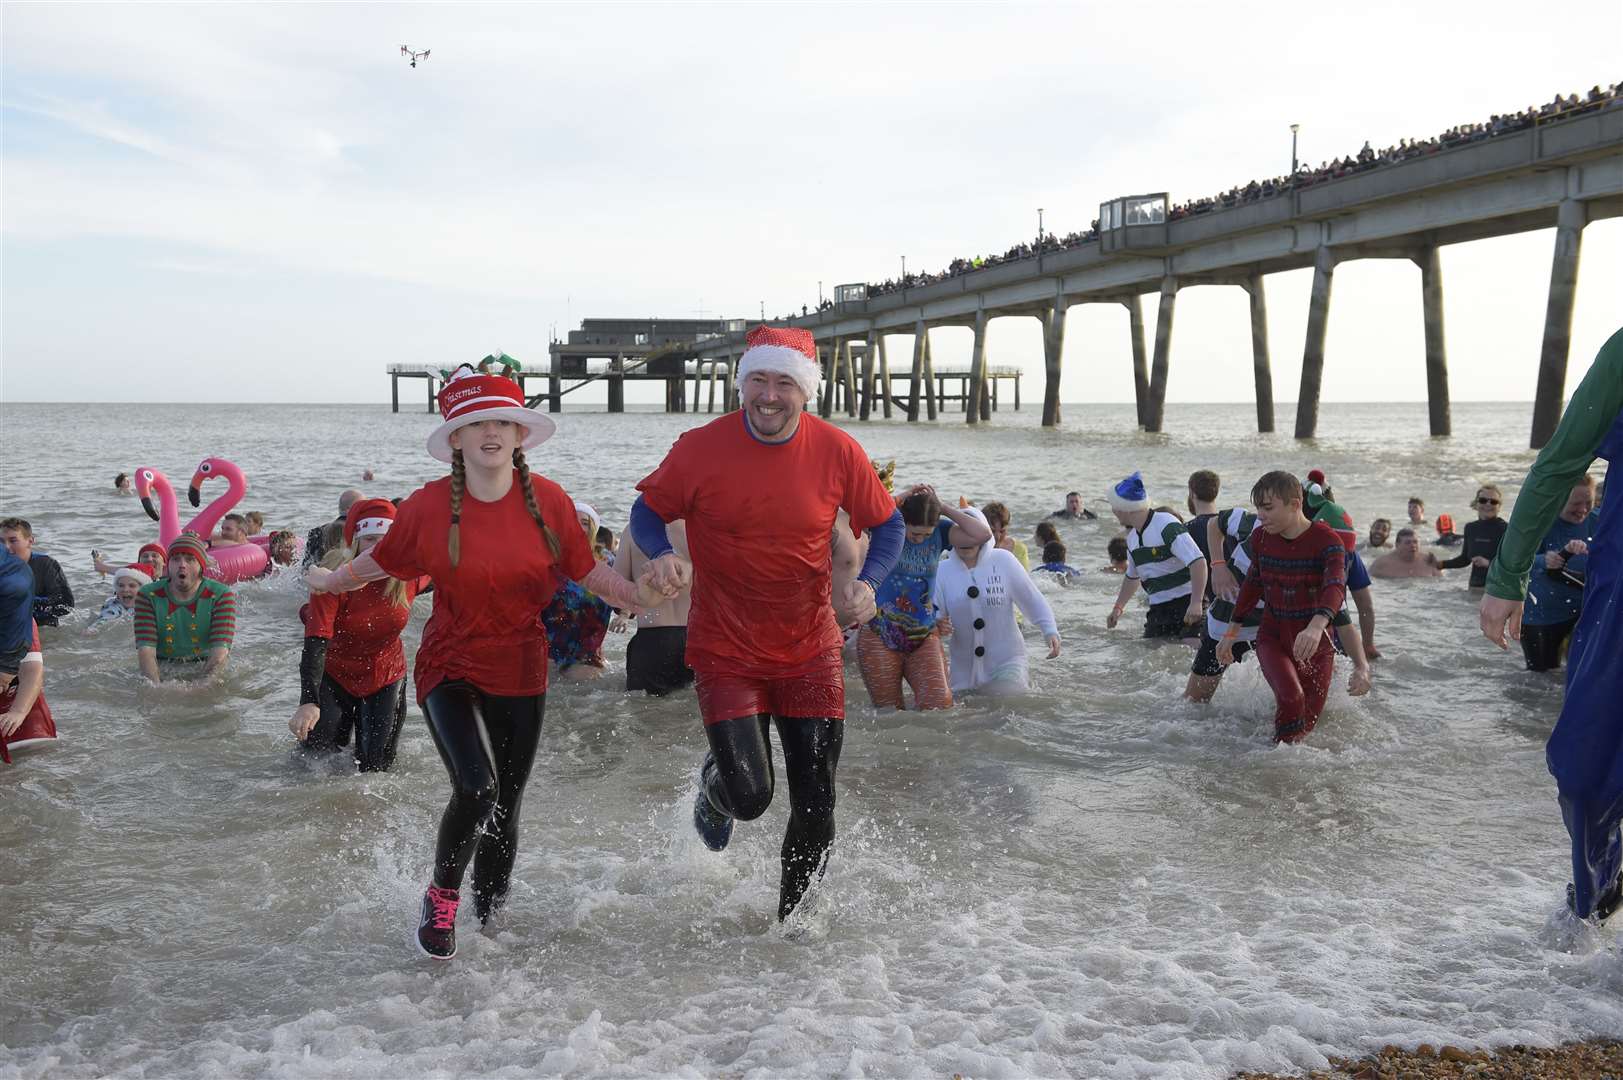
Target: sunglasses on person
(1487,502)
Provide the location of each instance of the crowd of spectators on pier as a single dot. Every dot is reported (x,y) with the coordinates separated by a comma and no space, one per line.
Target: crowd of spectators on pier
(1559,108)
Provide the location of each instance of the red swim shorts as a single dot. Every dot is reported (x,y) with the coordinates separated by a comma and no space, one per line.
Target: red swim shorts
(817,691)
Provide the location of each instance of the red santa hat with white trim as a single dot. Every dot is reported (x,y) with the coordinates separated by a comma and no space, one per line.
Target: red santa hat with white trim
(368,517)
(787,350)
(135,572)
(469,398)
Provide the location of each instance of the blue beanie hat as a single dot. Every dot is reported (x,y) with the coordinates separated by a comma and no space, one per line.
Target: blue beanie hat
(1129,495)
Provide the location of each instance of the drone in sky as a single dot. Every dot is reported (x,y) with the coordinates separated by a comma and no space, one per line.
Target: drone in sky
(415,56)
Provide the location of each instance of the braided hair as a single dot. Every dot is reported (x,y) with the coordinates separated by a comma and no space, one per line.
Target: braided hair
(459,486)
(523,467)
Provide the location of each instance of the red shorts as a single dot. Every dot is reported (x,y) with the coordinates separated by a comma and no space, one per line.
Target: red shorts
(817,691)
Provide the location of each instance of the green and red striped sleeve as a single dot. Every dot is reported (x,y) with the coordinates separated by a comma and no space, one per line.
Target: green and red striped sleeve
(146,622)
(223,622)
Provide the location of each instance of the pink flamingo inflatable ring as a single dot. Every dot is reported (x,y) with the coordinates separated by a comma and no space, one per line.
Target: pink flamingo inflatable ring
(235,562)
(167,512)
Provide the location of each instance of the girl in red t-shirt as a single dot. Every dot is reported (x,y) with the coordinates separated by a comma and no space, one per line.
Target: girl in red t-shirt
(353,671)
(486,537)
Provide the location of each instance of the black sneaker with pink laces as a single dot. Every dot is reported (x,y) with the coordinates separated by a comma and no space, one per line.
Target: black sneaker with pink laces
(436,929)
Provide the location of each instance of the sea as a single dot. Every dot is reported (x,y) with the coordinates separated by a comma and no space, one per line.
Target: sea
(1097,879)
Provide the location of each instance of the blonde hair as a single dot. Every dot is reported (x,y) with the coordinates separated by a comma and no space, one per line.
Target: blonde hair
(343,553)
(459,487)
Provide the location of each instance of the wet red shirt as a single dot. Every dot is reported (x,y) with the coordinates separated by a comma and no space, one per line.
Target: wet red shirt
(38,724)
(363,628)
(485,626)
(759,516)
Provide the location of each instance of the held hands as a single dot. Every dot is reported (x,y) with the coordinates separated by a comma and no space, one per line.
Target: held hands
(1496,616)
(670,574)
(1223,583)
(319,579)
(1480,561)
(304,719)
(653,589)
(857,602)
(1053,646)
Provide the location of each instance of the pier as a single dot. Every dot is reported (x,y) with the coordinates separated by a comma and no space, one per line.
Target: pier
(1560,174)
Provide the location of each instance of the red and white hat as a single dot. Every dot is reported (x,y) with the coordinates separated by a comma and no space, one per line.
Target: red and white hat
(469,398)
(368,517)
(135,571)
(789,350)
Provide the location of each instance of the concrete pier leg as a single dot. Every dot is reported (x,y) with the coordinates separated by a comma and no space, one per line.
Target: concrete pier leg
(1431,302)
(932,395)
(921,340)
(884,378)
(394,393)
(1155,405)
(1571,217)
(825,408)
(617,385)
(1141,378)
(1318,321)
(431,402)
(849,383)
(710,393)
(1261,369)
(977,372)
(1053,320)
(555,384)
(870,357)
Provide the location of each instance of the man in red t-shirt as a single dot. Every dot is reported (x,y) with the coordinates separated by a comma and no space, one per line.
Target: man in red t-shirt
(1299,572)
(759,490)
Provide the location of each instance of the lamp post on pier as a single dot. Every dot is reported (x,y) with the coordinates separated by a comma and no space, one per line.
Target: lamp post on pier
(1294,129)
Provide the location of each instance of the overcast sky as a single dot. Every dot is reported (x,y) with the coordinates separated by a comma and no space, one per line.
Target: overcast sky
(265,203)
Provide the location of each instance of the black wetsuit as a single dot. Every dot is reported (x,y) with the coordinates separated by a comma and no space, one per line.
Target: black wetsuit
(53,598)
(1481,538)
(656,660)
(741,780)
(488,744)
(376,719)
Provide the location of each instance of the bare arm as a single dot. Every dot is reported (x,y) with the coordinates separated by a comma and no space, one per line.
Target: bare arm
(147,658)
(1129,585)
(216,662)
(353,575)
(30,680)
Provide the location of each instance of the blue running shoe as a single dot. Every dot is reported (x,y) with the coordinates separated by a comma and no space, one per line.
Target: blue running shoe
(714,827)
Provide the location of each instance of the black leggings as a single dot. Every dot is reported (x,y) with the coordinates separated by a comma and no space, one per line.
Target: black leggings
(741,785)
(1541,645)
(376,720)
(488,744)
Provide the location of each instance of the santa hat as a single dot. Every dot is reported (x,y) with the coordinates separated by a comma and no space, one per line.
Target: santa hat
(368,517)
(1316,476)
(134,571)
(1129,495)
(584,509)
(788,350)
(469,398)
(163,556)
(189,543)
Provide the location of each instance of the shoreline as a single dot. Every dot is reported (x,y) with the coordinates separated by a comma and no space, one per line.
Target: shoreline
(1585,1059)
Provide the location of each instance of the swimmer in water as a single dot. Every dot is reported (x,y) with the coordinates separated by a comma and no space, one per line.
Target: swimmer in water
(185,617)
(1164,557)
(1406,560)
(122,485)
(1298,572)
(759,490)
(1380,534)
(997,517)
(1482,537)
(128,581)
(902,642)
(1116,552)
(656,655)
(977,590)
(1417,510)
(352,674)
(481,671)
(577,620)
